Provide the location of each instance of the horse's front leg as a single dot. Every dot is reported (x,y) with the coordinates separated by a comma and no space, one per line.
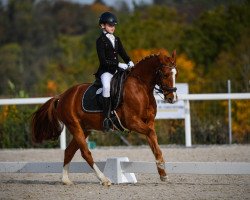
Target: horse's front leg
(153,143)
(148,129)
(160,163)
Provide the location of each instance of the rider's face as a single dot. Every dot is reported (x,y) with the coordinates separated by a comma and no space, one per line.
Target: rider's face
(109,28)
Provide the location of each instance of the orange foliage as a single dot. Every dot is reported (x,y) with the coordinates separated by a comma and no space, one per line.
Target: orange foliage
(241,120)
(4,113)
(186,68)
(6,110)
(99,8)
(51,86)
(138,54)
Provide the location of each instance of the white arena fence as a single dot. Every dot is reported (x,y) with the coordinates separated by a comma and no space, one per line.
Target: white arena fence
(184,97)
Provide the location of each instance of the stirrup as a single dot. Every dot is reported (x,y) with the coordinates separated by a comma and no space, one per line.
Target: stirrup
(107,123)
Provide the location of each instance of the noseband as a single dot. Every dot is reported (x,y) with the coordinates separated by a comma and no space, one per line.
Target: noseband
(164,89)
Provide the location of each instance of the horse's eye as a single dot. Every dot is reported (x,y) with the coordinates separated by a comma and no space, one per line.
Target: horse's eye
(166,75)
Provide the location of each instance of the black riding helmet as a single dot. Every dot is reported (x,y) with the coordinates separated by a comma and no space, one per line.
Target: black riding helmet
(108,18)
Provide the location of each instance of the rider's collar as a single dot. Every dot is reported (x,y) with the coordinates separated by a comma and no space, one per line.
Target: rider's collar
(106,32)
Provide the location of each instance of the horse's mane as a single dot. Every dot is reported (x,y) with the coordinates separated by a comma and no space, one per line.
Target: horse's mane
(146,58)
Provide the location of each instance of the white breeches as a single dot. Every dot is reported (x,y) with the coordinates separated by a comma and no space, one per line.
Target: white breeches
(106,80)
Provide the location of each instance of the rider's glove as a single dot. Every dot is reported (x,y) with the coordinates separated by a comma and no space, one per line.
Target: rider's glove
(123,66)
(131,64)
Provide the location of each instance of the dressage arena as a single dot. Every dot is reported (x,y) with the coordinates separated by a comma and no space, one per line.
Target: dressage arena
(149,186)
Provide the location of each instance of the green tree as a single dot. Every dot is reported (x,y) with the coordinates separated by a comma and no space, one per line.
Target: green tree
(11,68)
(152,27)
(192,9)
(69,68)
(234,65)
(215,31)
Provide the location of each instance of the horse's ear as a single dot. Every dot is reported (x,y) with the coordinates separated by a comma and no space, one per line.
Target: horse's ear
(174,56)
(164,56)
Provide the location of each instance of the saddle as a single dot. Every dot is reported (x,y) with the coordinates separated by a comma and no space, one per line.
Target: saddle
(92,98)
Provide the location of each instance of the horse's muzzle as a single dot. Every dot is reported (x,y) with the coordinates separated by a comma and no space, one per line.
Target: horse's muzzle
(171,97)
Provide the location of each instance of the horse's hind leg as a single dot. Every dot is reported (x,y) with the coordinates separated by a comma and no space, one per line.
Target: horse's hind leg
(68,155)
(80,139)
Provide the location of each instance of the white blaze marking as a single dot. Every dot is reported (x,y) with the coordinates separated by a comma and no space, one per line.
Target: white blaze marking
(173,76)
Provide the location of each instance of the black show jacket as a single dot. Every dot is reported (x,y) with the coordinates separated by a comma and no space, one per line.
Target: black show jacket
(108,55)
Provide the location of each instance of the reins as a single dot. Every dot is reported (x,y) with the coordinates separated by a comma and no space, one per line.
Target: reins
(163,89)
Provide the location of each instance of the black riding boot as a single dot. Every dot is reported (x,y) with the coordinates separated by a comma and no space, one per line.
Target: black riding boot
(106,112)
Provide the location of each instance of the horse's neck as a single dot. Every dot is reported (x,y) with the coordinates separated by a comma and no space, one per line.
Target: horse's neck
(145,71)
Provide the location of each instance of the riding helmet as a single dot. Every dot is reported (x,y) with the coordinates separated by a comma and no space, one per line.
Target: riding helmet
(108,18)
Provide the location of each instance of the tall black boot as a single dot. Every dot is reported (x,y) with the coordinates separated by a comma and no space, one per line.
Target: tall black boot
(106,112)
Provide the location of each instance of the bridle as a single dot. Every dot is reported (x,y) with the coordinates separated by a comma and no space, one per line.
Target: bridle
(163,89)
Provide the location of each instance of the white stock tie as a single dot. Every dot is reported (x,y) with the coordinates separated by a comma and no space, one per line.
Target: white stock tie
(111,37)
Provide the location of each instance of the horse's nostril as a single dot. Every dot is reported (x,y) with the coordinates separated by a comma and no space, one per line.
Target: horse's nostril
(170,100)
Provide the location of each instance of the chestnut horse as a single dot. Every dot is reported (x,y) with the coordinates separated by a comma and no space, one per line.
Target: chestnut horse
(137,112)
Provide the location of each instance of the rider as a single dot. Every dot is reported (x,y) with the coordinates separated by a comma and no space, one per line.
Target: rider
(108,48)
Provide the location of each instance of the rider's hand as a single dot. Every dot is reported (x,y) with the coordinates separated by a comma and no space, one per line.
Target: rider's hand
(131,64)
(123,66)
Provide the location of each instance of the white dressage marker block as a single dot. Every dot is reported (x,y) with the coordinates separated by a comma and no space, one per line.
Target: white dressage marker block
(115,173)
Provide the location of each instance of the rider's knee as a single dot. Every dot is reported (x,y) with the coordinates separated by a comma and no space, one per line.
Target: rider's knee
(106,91)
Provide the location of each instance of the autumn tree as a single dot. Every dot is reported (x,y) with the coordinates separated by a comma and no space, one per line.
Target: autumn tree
(215,31)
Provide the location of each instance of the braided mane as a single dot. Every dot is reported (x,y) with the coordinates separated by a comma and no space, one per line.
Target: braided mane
(147,57)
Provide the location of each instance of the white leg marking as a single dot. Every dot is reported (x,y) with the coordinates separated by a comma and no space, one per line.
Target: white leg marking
(99,174)
(65,178)
(160,165)
(104,180)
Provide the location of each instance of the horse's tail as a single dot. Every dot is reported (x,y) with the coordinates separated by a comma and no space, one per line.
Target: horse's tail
(45,124)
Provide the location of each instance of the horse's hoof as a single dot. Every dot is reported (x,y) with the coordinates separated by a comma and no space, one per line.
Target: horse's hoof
(106,183)
(67,182)
(164,178)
